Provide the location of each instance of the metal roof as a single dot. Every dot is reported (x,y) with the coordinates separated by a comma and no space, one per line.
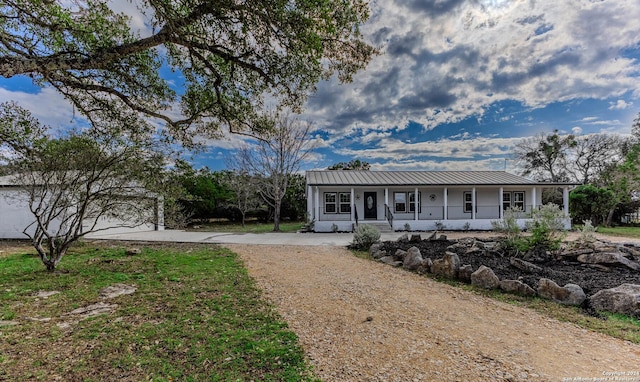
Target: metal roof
(417,178)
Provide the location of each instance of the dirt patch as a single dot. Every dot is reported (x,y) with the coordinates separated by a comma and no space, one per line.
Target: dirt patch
(361,320)
(562,271)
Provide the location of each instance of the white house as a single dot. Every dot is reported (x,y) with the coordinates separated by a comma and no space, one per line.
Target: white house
(15,215)
(421,200)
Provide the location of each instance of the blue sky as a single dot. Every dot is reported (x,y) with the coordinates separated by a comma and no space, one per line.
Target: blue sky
(458,83)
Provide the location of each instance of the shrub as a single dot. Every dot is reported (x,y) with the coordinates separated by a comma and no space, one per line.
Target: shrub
(407,227)
(587,232)
(334,228)
(466,226)
(440,226)
(546,226)
(364,236)
(510,228)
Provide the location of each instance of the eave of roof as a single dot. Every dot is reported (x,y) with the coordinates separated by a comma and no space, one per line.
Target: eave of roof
(419,178)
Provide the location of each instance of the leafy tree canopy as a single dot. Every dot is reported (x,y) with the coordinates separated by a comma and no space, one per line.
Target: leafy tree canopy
(233,55)
(354,164)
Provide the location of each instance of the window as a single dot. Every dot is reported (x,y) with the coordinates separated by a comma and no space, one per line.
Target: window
(345,203)
(514,200)
(330,202)
(412,202)
(518,200)
(506,200)
(468,201)
(400,201)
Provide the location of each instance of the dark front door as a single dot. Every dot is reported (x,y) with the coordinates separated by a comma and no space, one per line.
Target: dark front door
(370,205)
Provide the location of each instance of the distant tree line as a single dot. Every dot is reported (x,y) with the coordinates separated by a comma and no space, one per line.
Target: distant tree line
(606,167)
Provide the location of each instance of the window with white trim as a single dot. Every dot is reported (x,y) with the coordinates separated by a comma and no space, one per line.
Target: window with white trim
(345,202)
(513,199)
(330,203)
(518,200)
(468,201)
(400,201)
(506,200)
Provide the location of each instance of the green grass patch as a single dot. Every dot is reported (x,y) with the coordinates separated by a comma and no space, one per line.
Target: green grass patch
(195,316)
(630,232)
(249,227)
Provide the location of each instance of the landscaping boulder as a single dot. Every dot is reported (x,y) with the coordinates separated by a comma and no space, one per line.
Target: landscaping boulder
(447,266)
(415,238)
(413,259)
(570,294)
(631,250)
(608,258)
(485,278)
(375,247)
(390,260)
(116,290)
(432,236)
(403,238)
(378,254)
(517,287)
(525,265)
(624,299)
(464,273)
(400,255)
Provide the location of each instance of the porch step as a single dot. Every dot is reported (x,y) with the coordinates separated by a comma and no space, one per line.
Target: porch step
(383,227)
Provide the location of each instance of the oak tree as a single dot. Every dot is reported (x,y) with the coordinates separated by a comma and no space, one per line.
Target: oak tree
(234,58)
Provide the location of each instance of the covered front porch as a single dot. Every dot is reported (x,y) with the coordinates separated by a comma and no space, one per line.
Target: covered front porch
(422,208)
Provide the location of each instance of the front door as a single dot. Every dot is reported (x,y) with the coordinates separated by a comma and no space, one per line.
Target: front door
(370,205)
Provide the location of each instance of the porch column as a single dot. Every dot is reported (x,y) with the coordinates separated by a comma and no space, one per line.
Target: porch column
(310,210)
(473,203)
(416,204)
(317,205)
(565,200)
(352,206)
(533,198)
(446,203)
(386,198)
(501,198)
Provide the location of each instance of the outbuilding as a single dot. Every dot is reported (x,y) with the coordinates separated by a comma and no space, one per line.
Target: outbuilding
(15,215)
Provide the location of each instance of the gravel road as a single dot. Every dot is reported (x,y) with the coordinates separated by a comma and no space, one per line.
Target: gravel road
(358,320)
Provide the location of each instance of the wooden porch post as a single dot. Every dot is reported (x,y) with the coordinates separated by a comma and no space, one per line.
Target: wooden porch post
(352,207)
(501,198)
(446,203)
(310,210)
(316,208)
(415,204)
(565,200)
(473,203)
(533,198)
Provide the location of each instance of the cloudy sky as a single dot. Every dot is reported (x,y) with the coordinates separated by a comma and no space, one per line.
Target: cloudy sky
(458,83)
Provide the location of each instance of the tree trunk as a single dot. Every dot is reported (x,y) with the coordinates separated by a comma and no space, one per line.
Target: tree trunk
(610,217)
(276,216)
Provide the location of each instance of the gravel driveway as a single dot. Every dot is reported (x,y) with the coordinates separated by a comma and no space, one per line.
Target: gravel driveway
(364,321)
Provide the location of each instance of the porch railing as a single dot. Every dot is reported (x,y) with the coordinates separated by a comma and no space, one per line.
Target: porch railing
(388,215)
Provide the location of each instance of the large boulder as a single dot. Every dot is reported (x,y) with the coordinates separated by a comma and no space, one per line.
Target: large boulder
(517,287)
(375,248)
(570,294)
(413,259)
(447,266)
(379,254)
(415,238)
(485,278)
(608,258)
(390,260)
(624,299)
(400,255)
(464,273)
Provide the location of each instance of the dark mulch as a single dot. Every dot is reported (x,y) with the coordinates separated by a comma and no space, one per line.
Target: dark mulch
(562,272)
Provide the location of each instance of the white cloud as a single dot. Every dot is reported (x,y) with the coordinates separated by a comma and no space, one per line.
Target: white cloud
(620,105)
(446,66)
(577,130)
